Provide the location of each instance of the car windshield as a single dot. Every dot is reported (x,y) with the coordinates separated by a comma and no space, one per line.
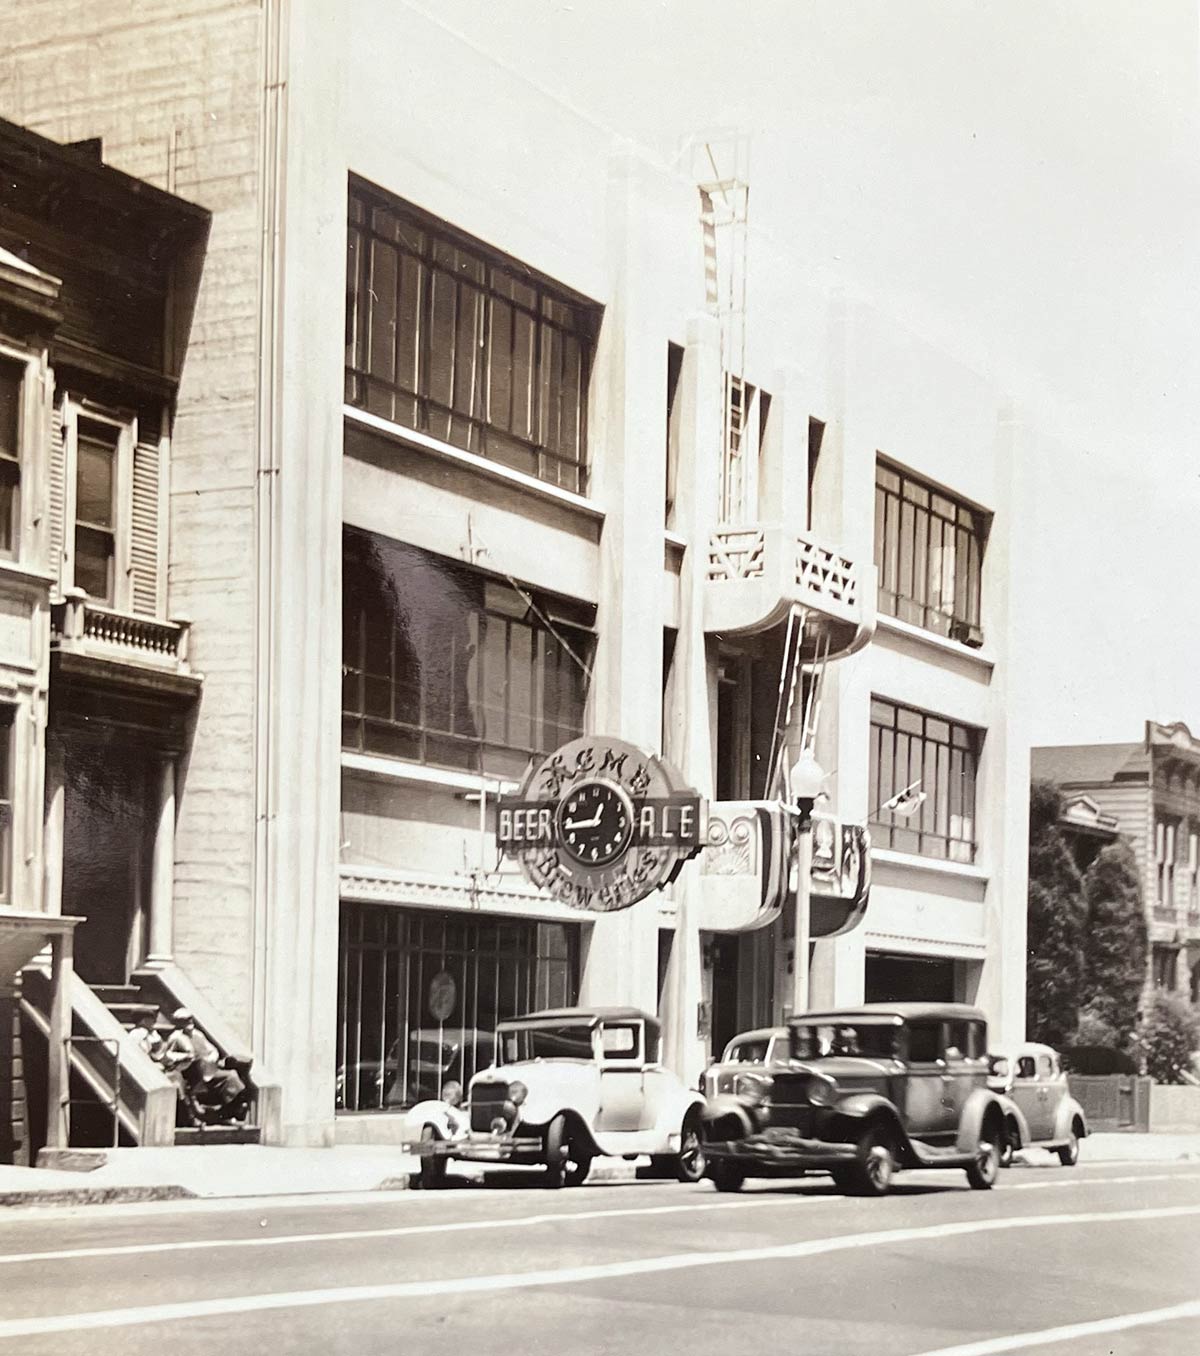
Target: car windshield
(546,1042)
(828,1040)
(748,1051)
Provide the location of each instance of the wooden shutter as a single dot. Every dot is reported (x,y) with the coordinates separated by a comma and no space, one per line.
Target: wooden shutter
(144,529)
(58,491)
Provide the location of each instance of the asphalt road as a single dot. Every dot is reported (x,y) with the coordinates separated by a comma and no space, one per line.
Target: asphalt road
(1062,1262)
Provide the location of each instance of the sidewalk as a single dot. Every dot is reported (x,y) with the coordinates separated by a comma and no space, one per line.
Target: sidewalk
(233,1170)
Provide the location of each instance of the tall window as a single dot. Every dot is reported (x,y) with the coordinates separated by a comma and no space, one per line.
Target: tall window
(923,774)
(928,549)
(11,383)
(448,338)
(6,802)
(1193,866)
(1165,832)
(97,448)
(443,665)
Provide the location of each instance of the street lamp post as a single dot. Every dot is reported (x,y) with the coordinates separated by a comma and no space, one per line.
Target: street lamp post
(806,782)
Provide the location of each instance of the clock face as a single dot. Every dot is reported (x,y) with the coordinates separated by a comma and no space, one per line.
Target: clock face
(595,823)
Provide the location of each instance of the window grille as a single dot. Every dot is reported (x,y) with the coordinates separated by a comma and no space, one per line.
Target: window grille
(420,993)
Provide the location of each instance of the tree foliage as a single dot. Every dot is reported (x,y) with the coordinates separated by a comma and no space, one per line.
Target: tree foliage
(1169,1033)
(1056,924)
(1114,946)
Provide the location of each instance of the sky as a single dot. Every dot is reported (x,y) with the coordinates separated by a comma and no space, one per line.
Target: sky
(1018,182)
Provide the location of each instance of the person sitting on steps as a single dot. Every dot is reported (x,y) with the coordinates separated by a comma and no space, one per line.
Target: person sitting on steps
(209,1090)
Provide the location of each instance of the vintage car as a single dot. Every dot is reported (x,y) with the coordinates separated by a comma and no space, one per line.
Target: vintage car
(436,1056)
(769,1045)
(1039,1111)
(569,1085)
(864,1091)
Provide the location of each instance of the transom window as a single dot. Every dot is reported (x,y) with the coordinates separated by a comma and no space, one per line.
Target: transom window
(928,550)
(923,775)
(12,376)
(446,666)
(446,337)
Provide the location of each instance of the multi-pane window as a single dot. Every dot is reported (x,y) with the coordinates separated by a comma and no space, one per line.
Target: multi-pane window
(928,550)
(446,666)
(11,384)
(923,774)
(1164,964)
(448,338)
(97,448)
(420,993)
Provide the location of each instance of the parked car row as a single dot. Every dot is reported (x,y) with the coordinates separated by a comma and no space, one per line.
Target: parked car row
(859,1093)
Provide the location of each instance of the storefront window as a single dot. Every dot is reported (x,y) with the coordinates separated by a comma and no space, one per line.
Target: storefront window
(420,993)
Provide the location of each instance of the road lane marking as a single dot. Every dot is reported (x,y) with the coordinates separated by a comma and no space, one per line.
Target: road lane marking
(507,1222)
(526,1280)
(994,1346)
(397,1231)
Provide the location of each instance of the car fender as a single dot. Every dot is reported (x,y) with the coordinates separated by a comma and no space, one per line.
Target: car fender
(1014,1116)
(981,1106)
(1069,1111)
(727,1117)
(676,1106)
(448,1122)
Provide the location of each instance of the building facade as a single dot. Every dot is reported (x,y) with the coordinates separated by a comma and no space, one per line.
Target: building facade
(472,455)
(1151,789)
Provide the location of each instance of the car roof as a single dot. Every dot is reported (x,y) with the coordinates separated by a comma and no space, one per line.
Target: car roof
(762,1033)
(589,1015)
(907,1012)
(1025,1048)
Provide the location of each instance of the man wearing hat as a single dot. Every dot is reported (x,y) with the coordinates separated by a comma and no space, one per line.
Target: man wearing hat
(144,1032)
(189,1054)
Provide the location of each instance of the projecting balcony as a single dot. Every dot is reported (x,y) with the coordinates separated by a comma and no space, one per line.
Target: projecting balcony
(85,635)
(758,573)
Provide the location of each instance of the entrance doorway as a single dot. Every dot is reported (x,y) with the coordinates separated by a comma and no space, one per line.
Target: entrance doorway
(107,844)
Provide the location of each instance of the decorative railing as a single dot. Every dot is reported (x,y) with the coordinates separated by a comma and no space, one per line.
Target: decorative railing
(756,573)
(80,625)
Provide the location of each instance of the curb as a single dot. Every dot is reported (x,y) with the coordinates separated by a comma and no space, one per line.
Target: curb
(114,1195)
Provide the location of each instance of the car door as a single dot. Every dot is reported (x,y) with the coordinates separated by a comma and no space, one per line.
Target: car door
(966,1065)
(1051,1091)
(620,1051)
(1031,1096)
(928,1106)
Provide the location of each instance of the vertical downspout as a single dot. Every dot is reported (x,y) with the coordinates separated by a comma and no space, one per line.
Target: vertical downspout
(272,163)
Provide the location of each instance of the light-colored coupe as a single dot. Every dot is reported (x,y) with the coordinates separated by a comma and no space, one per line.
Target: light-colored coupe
(1039,1111)
(568,1086)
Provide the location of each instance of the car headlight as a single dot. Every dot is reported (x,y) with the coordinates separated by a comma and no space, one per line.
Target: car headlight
(821,1091)
(755,1088)
(517,1092)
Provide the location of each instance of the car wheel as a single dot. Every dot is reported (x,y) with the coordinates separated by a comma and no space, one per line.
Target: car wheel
(566,1163)
(1068,1153)
(689,1166)
(843,1178)
(982,1173)
(433,1169)
(726,1176)
(875,1165)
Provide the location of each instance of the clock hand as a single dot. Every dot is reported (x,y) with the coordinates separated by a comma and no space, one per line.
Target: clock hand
(584,823)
